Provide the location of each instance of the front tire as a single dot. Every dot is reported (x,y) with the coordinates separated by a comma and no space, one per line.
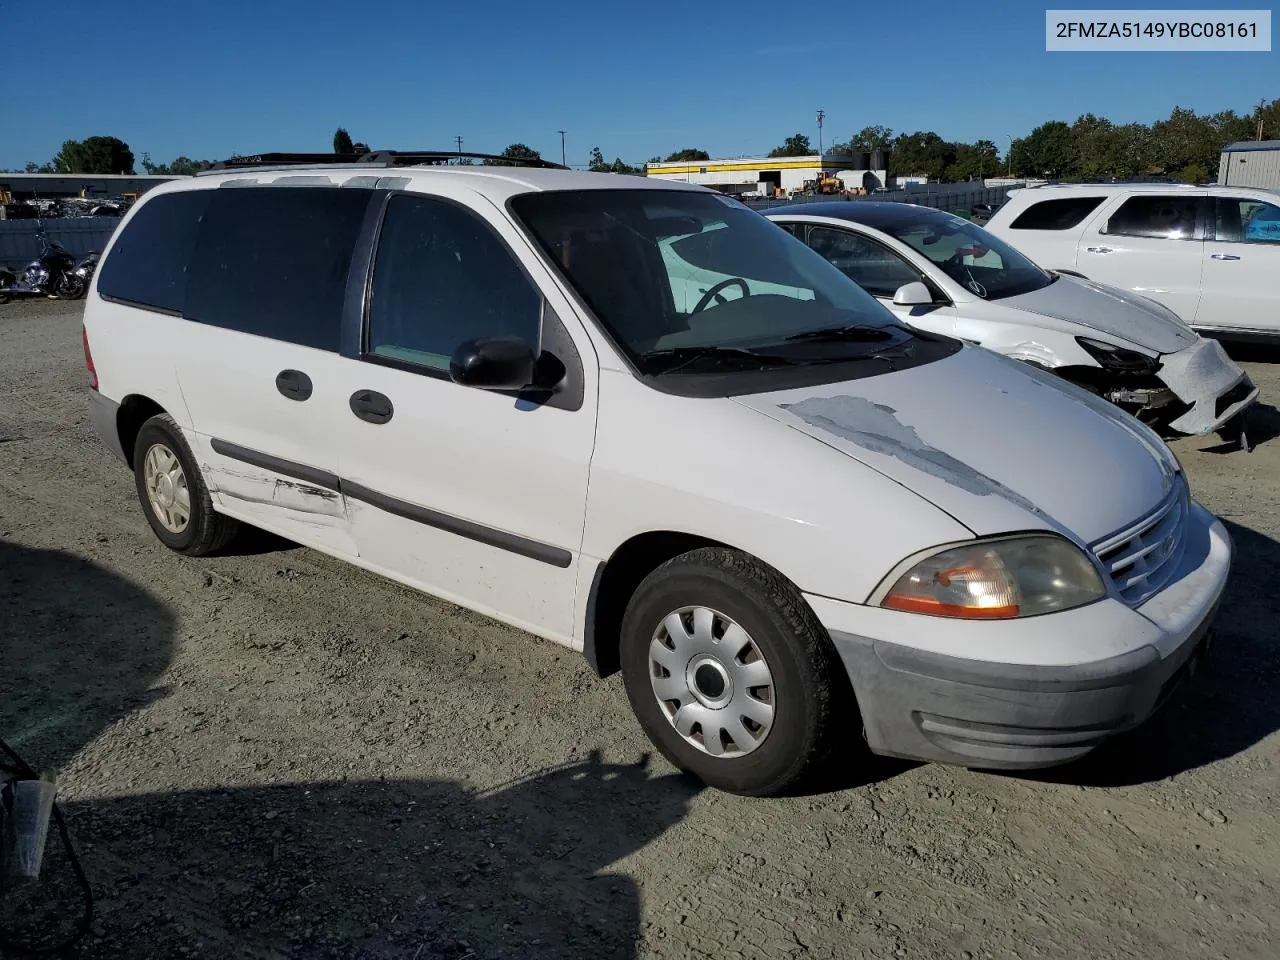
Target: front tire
(173,493)
(730,673)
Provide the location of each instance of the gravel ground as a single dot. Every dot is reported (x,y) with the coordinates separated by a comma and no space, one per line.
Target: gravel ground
(272,754)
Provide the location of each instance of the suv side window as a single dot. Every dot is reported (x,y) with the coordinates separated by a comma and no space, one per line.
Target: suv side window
(273,261)
(872,266)
(441,277)
(147,265)
(1247,221)
(1153,215)
(1061,213)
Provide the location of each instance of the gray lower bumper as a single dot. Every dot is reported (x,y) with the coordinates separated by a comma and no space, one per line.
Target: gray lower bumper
(925,706)
(103,418)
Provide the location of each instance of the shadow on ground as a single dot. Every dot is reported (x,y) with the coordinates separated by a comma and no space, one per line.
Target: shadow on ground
(408,869)
(1229,706)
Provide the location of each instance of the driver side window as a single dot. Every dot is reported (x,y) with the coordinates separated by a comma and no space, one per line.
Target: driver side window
(442,277)
(872,266)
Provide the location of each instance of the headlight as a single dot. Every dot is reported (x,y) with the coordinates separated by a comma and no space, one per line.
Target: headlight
(998,579)
(1116,358)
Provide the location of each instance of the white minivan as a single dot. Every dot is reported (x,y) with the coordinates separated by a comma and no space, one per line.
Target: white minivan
(788,519)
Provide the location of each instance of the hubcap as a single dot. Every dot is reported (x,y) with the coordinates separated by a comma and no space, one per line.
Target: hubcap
(712,681)
(166,485)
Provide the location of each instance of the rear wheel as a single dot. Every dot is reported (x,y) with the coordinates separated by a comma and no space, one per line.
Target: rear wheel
(730,673)
(70,287)
(173,493)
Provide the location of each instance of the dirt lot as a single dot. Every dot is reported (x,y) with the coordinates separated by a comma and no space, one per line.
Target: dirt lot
(272,754)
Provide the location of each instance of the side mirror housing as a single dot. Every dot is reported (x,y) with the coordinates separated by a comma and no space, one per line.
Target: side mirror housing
(493,363)
(914,294)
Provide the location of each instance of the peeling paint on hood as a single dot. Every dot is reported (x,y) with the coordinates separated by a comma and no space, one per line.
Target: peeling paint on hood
(1119,313)
(875,426)
(995,443)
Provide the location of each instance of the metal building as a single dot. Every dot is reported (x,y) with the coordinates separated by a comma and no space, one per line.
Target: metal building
(766,176)
(52,186)
(1250,163)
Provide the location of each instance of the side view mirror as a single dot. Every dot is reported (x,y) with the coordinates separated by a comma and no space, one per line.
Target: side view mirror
(914,294)
(493,363)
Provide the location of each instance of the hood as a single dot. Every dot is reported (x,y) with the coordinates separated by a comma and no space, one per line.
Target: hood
(997,444)
(1118,313)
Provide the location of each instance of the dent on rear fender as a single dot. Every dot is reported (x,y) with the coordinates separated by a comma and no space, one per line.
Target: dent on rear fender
(875,427)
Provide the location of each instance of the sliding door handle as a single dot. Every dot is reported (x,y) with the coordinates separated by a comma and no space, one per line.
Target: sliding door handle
(293,384)
(1099,249)
(1224,256)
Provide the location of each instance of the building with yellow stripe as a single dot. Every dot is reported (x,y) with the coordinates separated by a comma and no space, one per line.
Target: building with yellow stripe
(767,175)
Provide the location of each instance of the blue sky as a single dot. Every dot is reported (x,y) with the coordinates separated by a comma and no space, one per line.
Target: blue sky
(207,81)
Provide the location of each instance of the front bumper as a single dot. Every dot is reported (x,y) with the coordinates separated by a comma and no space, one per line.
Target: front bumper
(924,704)
(1211,382)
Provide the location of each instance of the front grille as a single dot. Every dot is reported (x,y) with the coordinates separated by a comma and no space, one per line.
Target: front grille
(1141,559)
(1232,396)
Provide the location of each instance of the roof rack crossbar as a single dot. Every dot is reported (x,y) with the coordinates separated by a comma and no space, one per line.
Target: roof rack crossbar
(376,158)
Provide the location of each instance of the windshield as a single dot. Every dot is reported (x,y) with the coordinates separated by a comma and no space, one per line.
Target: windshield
(693,275)
(977,260)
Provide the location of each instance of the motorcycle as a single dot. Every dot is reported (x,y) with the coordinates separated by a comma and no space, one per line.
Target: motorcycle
(55,273)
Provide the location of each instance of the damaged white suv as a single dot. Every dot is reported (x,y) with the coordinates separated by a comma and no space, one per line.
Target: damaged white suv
(637,419)
(941,273)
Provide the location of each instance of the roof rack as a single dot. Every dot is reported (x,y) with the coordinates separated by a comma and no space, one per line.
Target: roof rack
(376,158)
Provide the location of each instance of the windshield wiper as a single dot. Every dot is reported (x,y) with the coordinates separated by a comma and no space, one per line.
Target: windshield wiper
(851,332)
(683,356)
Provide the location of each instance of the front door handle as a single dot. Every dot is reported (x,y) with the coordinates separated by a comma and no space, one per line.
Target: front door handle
(371,406)
(1224,256)
(293,384)
(1099,249)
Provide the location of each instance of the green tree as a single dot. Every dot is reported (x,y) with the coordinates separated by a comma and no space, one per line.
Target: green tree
(596,162)
(870,138)
(1047,151)
(920,153)
(342,142)
(796,145)
(94,155)
(33,167)
(359,147)
(687,155)
(516,151)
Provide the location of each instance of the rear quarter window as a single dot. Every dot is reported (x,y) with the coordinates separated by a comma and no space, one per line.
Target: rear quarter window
(147,264)
(273,261)
(1060,214)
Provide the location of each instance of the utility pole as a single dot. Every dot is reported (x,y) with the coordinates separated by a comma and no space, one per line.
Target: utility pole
(1009,157)
(821,116)
(562,163)
(458,141)
(1260,105)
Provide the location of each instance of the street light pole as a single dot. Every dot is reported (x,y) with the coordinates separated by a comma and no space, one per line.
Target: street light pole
(1009,158)
(458,141)
(562,163)
(821,117)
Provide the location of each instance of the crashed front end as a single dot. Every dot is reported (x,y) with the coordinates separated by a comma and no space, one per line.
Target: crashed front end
(1195,391)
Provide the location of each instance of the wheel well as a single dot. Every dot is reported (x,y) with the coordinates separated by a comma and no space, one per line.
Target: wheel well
(134,411)
(616,580)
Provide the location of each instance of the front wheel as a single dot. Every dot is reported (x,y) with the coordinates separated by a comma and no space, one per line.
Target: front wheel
(730,673)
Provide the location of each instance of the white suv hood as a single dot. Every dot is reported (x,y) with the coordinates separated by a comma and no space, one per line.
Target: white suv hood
(1119,313)
(995,443)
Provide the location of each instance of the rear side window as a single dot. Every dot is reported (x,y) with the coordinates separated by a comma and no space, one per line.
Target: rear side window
(273,261)
(443,277)
(1060,214)
(1247,221)
(147,265)
(1165,218)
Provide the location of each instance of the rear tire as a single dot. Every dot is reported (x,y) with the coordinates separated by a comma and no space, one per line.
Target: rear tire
(173,493)
(715,643)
